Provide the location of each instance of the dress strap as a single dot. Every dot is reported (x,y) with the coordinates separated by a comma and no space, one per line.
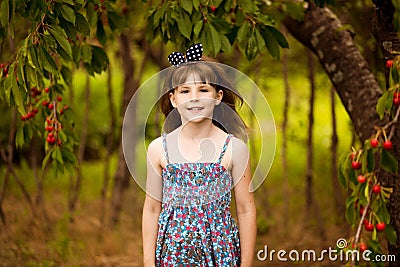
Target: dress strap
(228,138)
(164,144)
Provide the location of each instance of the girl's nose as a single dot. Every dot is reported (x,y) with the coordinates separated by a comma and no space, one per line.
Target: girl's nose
(194,96)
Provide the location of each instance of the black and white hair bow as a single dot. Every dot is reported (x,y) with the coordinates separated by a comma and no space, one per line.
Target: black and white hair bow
(193,53)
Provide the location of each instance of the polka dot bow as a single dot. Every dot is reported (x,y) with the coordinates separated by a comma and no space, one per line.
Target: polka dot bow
(193,53)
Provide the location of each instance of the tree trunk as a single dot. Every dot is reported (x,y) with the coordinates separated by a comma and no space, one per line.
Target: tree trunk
(312,205)
(76,188)
(109,147)
(322,32)
(121,178)
(337,190)
(285,176)
(309,172)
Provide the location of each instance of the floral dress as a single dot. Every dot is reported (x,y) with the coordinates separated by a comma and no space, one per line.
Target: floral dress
(196,227)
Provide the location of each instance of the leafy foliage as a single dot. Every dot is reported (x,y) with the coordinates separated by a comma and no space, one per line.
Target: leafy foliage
(62,34)
(359,170)
(218,24)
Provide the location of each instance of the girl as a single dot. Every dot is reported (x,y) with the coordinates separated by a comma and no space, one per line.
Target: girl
(191,171)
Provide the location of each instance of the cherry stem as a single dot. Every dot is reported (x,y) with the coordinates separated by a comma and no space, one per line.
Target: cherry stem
(393,123)
(357,237)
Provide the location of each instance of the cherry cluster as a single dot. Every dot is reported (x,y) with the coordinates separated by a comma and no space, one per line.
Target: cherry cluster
(51,108)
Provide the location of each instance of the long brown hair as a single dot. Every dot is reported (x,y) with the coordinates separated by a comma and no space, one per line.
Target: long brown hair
(225,115)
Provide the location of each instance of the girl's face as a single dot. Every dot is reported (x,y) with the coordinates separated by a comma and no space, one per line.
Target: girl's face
(195,100)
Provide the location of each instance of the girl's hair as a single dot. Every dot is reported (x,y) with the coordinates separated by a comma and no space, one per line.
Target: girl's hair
(225,114)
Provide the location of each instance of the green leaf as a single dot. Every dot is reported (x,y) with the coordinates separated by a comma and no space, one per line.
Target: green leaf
(342,179)
(380,106)
(101,34)
(187,5)
(272,44)
(370,160)
(350,201)
(215,39)
(62,41)
(116,21)
(251,48)
(86,54)
(260,41)
(279,37)
(67,75)
(391,234)
(185,25)
(45,160)
(4,13)
(76,53)
(196,4)
(82,25)
(16,92)
(68,13)
(197,28)
(395,75)
(225,44)
(383,213)
(48,62)
(19,137)
(33,57)
(100,60)
(247,6)
(351,215)
(243,32)
(388,161)
(71,2)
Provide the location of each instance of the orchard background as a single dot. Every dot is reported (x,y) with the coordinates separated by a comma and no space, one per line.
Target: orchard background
(69,68)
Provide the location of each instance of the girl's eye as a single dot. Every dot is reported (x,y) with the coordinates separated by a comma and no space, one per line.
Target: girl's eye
(204,90)
(184,91)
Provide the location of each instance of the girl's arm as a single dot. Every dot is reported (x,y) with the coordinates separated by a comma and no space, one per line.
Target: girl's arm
(245,206)
(152,203)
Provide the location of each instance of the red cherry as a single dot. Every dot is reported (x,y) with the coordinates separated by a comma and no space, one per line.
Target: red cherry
(387,145)
(396,101)
(361,179)
(47,89)
(45,103)
(48,120)
(380,226)
(51,106)
(35,110)
(59,98)
(356,165)
(376,189)
(66,107)
(389,63)
(213,8)
(365,221)
(23,118)
(396,95)
(49,128)
(374,142)
(369,226)
(363,247)
(2,65)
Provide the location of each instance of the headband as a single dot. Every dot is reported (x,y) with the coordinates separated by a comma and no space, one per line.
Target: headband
(193,53)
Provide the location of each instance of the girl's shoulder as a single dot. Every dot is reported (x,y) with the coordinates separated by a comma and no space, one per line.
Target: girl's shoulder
(155,147)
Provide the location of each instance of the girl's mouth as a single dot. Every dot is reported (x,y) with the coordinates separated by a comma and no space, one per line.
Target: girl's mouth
(195,109)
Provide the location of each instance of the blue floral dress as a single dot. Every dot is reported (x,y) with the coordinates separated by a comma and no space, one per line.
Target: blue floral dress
(196,227)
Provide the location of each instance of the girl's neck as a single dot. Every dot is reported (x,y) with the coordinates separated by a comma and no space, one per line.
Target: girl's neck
(197,130)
